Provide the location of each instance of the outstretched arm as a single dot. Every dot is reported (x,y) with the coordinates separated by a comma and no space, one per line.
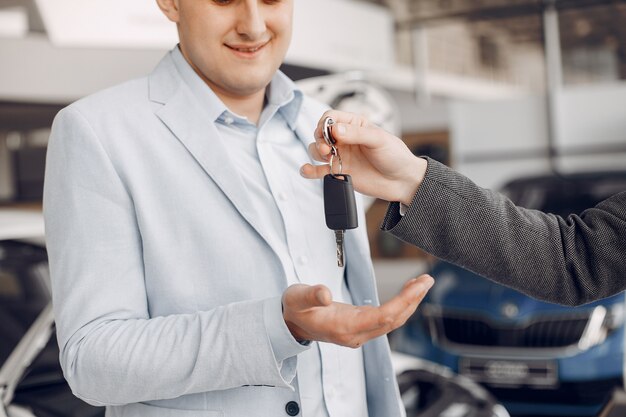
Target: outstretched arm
(568,261)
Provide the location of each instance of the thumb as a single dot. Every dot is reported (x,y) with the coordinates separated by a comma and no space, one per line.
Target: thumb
(323,296)
(314,171)
(318,296)
(303,297)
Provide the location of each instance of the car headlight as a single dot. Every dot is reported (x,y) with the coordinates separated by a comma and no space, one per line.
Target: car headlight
(602,322)
(615,317)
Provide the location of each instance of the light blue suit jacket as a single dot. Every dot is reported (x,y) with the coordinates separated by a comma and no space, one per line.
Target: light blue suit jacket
(162,275)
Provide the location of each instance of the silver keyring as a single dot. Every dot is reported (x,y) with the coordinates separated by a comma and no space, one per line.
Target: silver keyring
(334,153)
(328,137)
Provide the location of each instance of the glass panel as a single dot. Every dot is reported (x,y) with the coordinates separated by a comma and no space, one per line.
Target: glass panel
(593,44)
(505,51)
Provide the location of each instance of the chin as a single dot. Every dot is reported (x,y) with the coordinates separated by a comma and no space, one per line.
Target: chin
(246,86)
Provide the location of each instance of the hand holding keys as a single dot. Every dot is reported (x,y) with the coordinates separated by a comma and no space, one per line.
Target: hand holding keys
(339,200)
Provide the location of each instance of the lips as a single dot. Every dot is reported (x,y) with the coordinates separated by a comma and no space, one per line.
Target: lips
(247,49)
(251,49)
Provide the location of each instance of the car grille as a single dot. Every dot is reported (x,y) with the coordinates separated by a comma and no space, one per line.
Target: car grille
(553,332)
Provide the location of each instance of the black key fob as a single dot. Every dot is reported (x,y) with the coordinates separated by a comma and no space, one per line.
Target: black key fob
(340,202)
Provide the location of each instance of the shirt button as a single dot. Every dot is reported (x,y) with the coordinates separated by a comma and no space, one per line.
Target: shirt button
(229,120)
(292,408)
(303,260)
(282,196)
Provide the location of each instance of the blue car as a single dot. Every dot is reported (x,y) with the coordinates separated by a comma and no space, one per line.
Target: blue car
(537,358)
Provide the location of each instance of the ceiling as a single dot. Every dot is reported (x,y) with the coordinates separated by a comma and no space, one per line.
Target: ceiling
(522,16)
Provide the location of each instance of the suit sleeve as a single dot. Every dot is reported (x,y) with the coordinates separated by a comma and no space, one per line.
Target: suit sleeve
(112,351)
(571,261)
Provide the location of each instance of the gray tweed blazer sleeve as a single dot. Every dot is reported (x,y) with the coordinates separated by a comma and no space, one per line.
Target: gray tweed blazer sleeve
(568,261)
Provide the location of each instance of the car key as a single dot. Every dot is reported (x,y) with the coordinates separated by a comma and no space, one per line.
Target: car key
(339,199)
(340,208)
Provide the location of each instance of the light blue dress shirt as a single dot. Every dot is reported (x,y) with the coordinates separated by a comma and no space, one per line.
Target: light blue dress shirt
(268,156)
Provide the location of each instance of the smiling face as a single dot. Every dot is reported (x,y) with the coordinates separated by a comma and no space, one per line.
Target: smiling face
(236,46)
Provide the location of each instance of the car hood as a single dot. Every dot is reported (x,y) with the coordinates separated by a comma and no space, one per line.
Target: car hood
(458,289)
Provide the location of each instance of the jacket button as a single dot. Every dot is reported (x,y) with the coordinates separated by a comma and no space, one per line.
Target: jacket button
(292,408)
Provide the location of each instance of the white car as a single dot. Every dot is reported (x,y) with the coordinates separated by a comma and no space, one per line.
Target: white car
(432,390)
(31,381)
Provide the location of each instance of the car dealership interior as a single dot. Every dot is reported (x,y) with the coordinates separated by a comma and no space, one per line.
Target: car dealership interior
(524,97)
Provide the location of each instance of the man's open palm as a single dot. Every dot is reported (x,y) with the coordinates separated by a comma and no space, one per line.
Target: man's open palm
(311,314)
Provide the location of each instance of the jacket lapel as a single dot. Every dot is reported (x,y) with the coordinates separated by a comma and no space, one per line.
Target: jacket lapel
(190,124)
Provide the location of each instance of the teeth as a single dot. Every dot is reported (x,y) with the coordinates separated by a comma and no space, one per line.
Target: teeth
(248,49)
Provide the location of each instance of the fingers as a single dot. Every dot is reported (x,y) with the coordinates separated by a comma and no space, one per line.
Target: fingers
(375,322)
(347,134)
(417,289)
(340,117)
(319,155)
(414,293)
(316,171)
(349,129)
(410,296)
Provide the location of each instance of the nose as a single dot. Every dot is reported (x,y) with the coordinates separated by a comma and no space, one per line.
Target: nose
(251,23)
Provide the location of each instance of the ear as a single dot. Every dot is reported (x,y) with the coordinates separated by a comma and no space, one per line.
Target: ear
(170,9)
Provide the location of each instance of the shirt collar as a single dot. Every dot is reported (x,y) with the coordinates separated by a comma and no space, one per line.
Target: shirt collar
(282,93)
(286,97)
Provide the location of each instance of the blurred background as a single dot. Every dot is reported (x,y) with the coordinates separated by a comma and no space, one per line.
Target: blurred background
(525,96)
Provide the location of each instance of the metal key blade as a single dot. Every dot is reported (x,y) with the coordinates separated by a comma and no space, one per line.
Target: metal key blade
(339,240)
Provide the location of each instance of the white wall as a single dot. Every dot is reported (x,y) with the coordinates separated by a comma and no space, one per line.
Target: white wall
(342,35)
(98,43)
(592,116)
(333,34)
(495,141)
(33,70)
(592,128)
(496,127)
(414,118)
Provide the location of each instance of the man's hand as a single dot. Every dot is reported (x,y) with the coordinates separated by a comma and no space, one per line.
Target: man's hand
(311,314)
(380,164)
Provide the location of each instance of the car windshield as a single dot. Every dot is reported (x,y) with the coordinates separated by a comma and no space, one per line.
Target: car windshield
(564,195)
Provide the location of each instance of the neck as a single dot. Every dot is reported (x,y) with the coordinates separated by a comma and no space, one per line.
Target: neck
(249,106)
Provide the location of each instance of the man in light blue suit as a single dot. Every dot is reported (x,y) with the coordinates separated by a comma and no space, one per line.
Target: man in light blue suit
(192,271)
